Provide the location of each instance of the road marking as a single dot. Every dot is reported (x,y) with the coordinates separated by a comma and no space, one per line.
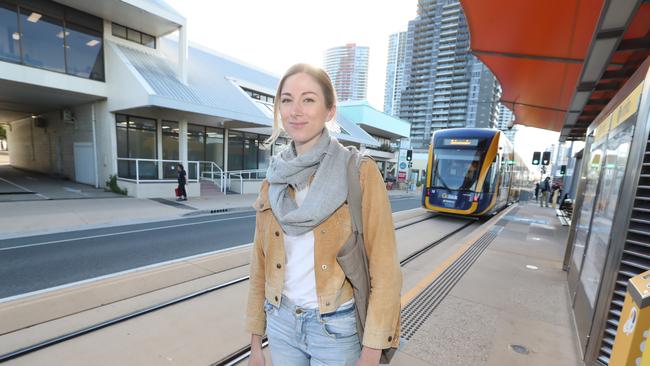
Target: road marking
(122,273)
(24,189)
(120,233)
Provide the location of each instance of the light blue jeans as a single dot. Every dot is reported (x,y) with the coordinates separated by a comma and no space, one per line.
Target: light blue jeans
(304,337)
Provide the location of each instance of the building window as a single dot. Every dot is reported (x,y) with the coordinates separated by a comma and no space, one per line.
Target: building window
(9,35)
(85,56)
(205,144)
(133,35)
(42,40)
(267,98)
(245,151)
(66,41)
(170,145)
(136,139)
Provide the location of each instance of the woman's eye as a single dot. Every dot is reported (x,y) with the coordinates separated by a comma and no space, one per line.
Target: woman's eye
(309,100)
(285,100)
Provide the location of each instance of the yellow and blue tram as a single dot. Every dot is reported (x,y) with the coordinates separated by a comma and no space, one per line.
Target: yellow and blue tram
(472,172)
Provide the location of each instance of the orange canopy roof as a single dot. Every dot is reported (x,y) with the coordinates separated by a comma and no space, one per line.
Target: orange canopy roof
(536,50)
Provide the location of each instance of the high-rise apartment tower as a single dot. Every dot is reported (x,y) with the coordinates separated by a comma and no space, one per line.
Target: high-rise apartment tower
(395,72)
(347,66)
(445,85)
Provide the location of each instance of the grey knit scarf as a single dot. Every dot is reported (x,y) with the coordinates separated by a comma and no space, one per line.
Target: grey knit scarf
(327,192)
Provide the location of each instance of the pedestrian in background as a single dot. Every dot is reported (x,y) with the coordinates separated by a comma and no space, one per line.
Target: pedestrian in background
(182,181)
(545,187)
(299,295)
(536,191)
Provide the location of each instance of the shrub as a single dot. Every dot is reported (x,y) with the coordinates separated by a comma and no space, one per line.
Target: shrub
(111,183)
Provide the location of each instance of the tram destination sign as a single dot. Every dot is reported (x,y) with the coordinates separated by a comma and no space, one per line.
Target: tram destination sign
(460,142)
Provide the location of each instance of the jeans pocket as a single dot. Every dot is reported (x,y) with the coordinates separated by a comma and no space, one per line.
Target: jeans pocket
(268,306)
(340,326)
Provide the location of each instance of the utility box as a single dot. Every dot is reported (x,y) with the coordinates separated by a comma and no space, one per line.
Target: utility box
(632,332)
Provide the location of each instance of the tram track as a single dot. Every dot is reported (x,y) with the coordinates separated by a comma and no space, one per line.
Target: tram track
(234,357)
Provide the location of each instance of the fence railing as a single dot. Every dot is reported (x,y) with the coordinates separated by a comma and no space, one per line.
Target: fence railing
(158,170)
(243,175)
(154,170)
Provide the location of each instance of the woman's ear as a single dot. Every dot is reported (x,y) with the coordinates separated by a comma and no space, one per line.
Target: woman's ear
(331,113)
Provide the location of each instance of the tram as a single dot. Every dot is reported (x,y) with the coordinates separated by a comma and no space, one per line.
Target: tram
(472,172)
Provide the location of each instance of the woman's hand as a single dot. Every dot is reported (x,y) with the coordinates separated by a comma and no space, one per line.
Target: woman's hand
(257,356)
(369,357)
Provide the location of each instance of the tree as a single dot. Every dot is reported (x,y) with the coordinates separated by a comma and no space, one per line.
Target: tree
(3,133)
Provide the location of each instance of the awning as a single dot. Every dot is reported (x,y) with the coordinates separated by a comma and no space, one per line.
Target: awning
(551,57)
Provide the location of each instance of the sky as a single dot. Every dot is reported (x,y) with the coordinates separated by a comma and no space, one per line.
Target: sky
(273,35)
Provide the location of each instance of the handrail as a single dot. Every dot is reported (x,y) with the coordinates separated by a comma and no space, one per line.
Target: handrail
(241,181)
(220,173)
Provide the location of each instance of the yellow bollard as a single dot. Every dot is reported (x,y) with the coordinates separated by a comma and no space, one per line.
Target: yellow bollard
(632,331)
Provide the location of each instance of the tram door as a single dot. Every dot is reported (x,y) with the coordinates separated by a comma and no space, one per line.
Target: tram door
(613,153)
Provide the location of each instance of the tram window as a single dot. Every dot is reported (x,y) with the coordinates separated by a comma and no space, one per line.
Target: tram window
(456,169)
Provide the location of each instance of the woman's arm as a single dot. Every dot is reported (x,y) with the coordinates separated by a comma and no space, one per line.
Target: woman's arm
(255,316)
(257,357)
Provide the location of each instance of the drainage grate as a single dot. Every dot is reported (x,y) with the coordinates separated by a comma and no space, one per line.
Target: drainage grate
(421,307)
(172,203)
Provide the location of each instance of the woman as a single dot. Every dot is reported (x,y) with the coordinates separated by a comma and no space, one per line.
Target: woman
(298,293)
(182,180)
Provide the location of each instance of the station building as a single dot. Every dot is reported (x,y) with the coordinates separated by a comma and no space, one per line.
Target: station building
(90,90)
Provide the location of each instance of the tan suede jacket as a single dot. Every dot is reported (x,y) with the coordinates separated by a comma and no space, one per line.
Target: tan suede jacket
(333,289)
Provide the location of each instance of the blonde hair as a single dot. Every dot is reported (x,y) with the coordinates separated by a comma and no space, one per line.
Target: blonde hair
(321,78)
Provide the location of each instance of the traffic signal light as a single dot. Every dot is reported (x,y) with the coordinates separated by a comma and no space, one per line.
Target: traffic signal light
(536,156)
(409,155)
(546,157)
(563,170)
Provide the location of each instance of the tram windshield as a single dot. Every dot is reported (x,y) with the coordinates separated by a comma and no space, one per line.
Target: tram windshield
(456,169)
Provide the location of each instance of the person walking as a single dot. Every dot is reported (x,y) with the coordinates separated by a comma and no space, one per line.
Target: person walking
(536,191)
(182,181)
(299,295)
(545,188)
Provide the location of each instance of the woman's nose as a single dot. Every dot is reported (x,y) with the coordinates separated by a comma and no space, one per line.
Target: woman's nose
(296,110)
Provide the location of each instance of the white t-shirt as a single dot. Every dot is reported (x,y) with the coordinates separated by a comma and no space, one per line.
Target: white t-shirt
(299,277)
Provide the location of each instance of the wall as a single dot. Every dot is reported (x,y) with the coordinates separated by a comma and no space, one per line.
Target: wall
(50,149)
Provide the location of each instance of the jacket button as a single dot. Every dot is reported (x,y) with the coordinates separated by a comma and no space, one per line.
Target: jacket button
(277,233)
(261,205)
(278,266)
(322,231)
(276,298)
(324,267)
(327,303)
(390,338)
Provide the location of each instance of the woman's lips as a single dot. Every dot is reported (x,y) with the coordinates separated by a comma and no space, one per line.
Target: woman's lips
(298,125)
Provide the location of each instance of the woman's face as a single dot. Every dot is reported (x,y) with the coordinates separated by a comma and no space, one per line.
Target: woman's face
(303,110)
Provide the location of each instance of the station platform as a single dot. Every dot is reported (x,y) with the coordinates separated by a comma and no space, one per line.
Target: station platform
(511,307)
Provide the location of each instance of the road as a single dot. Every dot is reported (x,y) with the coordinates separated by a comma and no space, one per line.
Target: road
(39,262)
